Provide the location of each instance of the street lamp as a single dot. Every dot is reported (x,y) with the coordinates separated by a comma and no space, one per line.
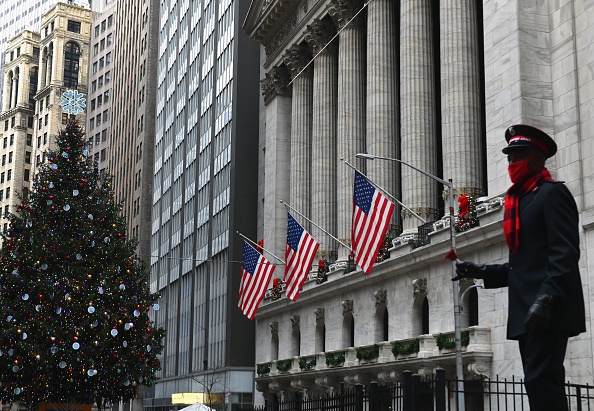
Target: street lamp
(457,334)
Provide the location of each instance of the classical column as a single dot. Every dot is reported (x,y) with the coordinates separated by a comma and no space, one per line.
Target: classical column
(461,118)
(418,124)
(276,158)
(382,93)
(23,90)
(7,92)
(324,156)
(49,67)
(351,111)
(296,59)
(14,90)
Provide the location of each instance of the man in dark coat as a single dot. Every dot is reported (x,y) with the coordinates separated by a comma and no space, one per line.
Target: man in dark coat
(546,302)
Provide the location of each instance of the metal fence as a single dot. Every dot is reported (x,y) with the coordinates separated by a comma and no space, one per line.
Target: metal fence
(430,394)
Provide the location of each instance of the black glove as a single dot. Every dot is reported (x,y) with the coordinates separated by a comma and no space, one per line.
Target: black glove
(537,319)
(467,269)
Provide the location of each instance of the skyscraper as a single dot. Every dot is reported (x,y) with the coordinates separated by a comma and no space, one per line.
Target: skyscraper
(205,189)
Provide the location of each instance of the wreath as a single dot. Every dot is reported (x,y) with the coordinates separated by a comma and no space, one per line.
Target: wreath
(467,215)
(323,269)
(277,288)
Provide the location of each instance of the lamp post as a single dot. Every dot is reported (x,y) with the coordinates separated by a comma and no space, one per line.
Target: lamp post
(456,296)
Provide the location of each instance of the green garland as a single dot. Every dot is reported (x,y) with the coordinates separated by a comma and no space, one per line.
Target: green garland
(332,359)
(444,342)
(284,365)
(263,368)
(398,348)
(368,353)
(306,365)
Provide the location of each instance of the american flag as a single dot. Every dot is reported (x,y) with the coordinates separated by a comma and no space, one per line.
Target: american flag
(256,272)
(299,255)
(372,213)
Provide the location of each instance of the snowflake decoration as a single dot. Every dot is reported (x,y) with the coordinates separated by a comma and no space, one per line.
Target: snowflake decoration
(73,102)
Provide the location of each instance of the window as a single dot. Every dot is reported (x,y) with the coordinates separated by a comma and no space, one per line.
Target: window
(92,104)
(26,175)
(92,124)
(7,193)
(107,77)
(104,135)
(40,123)
(109,38)
(106,96)
(64,118)
(96,30)
(30,140)
(12,121)
(46,119)
(11,139)
(38,141)
(100,82)
(28,157)
(101,63)
(102,44)
(3,159)
(99,119)
(5,142)
(94,86)
(99,101)
(8,176)
(110,21)
(94,67)
(103,25)
(97,138)
(103,154)
(2,177)
(44,138)
(108,59)
(95,49)
(30,121)
(18,51)
(73,26)
(6,125)
(105,116)
(71,60)
(96,157)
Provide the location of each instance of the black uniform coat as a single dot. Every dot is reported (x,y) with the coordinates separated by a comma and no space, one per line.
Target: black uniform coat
(546,262)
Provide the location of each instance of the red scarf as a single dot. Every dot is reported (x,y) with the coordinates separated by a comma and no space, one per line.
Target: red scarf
(511,214)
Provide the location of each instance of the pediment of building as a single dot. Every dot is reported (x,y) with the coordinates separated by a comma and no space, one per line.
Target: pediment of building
(265,16)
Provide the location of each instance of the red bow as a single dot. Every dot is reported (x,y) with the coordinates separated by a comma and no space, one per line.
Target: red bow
(463,200)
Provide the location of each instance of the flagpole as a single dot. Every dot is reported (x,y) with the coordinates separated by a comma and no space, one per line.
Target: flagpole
(457,332)
(256,246)
(324,231)
(385,192)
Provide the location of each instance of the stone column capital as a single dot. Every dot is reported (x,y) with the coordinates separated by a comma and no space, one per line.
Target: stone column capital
(296,58)
(275,83)
(318,34)
(342,11)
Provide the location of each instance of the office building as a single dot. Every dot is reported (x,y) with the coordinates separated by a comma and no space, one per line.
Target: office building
(101,68)
(434,84)
(205,190)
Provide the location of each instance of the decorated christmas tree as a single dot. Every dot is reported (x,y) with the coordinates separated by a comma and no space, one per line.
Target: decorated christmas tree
(74,297)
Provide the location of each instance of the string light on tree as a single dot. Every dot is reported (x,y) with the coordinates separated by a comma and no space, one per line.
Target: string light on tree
(74,297)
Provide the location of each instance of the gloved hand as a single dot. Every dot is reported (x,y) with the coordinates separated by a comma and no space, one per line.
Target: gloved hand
(537,319)
(467,269)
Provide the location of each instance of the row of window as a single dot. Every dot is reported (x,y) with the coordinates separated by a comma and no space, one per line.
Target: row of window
(104,24)
(100,81)
(100,46)
(96,121)
(7,176)
(103,61)
(98,102)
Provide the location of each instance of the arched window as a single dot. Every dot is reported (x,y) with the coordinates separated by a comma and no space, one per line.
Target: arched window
(71,59)
(420,315)
(381,323)
(16,85)
(32,86)
(274,341)
(321,337)
(469,306)
(348,331)
(296,337)
(9,88)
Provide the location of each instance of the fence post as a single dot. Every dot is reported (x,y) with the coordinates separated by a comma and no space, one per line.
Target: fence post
(440,398)
(407,391)
(416,380)
(341,396)
(374,396)
(359,397)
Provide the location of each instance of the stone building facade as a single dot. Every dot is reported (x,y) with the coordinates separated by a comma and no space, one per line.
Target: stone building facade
(434,84)
(39,68)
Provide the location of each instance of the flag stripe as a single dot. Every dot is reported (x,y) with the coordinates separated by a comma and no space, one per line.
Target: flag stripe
(299,255)
(253,285)
(369,229)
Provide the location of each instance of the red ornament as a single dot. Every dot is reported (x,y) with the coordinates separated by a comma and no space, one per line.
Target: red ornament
(464,205)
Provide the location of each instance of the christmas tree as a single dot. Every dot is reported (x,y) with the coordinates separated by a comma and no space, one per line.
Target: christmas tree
(74,297)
